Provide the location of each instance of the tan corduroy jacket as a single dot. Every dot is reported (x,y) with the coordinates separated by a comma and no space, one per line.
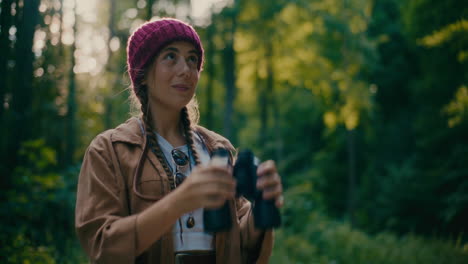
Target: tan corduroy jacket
(106,206)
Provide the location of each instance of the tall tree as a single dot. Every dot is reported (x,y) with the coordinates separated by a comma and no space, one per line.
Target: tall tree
(440,146)
(22,94)
(391,77)
(211,74)
(350,130)
(229,59)
(110,68)
(71,102)
(149,9)
(5,23)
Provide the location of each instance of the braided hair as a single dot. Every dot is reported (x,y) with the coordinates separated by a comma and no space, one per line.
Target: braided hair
(187,126)
(152,140)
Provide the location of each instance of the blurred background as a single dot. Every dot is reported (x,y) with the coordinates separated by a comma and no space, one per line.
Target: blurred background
(362,103)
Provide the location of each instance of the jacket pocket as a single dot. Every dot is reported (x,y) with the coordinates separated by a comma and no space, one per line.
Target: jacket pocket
(150,185)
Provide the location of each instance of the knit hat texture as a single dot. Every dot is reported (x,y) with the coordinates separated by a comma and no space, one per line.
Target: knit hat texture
(146,42)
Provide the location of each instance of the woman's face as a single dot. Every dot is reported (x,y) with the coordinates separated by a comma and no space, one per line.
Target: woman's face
(173,76)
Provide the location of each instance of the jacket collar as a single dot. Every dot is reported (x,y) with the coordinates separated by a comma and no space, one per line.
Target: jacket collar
(132,132)
(129,132)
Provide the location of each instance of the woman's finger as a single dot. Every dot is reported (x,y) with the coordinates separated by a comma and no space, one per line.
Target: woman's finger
(214,201)
(213,190)
(268,180)
(221,172)
(272,193)
(266,167)
(217,175)
(279,201)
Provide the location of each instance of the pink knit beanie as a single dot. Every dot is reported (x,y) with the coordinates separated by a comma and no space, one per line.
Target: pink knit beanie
(150,38)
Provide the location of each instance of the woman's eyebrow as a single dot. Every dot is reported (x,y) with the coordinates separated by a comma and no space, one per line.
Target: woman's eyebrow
(177,50)
(171,49)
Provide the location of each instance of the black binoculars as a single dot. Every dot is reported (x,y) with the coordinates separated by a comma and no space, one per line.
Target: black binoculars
(266,214)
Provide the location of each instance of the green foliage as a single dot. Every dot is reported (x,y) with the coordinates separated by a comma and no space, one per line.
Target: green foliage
(37,217)
(322,240)
(457,109)
(20,250)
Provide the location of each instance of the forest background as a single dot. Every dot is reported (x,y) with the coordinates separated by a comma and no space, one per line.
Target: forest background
(362,103)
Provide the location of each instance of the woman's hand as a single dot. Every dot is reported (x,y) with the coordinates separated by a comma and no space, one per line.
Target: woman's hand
(207,187)
(269,182)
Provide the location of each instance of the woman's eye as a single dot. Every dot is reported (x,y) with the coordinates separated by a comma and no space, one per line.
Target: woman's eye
(170,56)
(193,59)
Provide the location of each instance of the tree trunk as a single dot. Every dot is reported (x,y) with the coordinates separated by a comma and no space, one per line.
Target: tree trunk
(230,74)
(5,24)
(61,48)
(22,97)
(22,94)
(272,100)
(110,70)
(210,71)
(350,135)
(149,9)
(263,104)
(71,103)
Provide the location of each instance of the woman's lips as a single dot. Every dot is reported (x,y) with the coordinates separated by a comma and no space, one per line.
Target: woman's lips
(181,87)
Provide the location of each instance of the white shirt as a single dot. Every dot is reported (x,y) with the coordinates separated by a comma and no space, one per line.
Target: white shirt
(194,238)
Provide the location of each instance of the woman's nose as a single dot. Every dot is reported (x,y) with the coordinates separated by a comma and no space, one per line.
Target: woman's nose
(184,68)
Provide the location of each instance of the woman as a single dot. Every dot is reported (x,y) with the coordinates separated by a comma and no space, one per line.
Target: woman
(135,203)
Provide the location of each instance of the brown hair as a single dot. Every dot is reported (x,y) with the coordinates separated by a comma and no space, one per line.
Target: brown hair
(186,121)
(153,145)
(137,109)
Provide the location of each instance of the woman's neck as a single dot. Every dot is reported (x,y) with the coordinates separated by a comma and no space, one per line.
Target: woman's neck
(168,125)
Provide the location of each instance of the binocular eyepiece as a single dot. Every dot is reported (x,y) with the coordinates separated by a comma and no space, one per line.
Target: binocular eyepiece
(266,214)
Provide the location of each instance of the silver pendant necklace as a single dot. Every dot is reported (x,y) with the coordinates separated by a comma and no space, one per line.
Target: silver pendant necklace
(190,221)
